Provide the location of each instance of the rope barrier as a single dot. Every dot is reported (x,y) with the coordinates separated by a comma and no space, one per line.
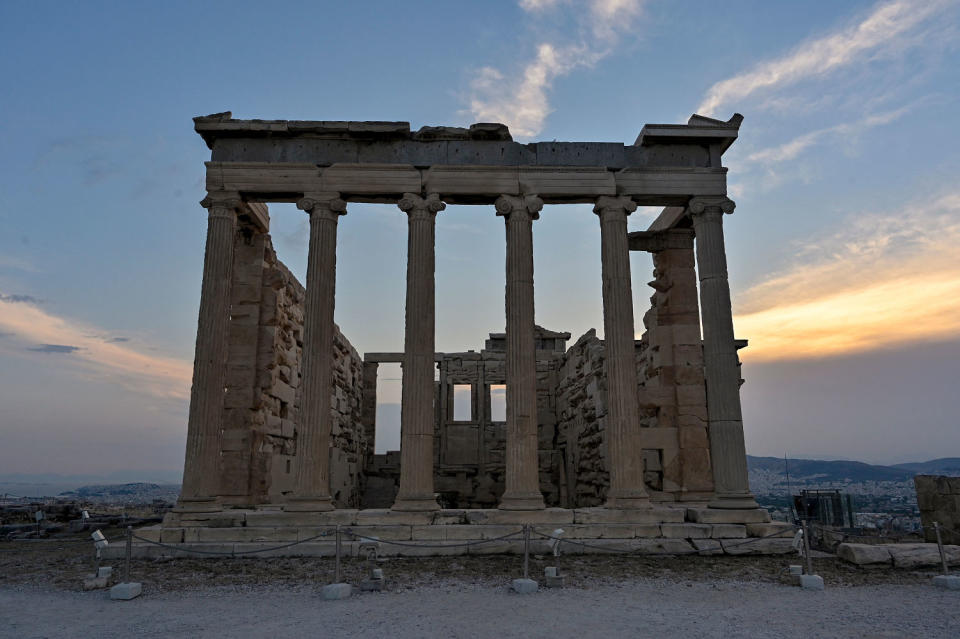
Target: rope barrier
(479,542)
(694,551)
(232,553)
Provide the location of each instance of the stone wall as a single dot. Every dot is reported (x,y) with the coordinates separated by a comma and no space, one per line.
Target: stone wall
(261,408)
(673,399)
(582,414)
(938,498)
(671,394)
(469,453)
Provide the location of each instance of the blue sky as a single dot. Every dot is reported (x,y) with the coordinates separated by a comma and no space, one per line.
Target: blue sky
(842,251)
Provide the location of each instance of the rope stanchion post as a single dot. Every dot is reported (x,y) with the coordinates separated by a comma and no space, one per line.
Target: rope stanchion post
(525,586)
(127,589)
(809,581)
(526,551)
(128,554)
(336,572)
(338,589)
(946,580)
(943,556)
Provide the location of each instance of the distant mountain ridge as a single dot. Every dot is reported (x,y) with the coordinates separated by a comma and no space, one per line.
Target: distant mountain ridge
(943,466)
(839,470)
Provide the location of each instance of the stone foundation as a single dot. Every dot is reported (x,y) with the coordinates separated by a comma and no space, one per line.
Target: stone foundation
(667,530)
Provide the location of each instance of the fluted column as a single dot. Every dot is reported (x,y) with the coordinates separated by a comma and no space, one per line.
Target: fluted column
(201,469)
(624,434)
(522,491)
(727,451)
(416,407)
(312,488)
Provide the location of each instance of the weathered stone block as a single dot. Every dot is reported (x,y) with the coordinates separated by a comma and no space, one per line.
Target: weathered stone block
(778,528)
(373,517)
(773,546)
(914,555)
(627,516)
(707,546)
(728,516)
(728,531)
(545,516)
(862,554)
(686,531)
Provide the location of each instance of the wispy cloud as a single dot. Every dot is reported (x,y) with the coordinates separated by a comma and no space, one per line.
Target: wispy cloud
(520,98)
(886,279)
(54,348)
(790,150)
(93,350)
(19,299)
(890,27)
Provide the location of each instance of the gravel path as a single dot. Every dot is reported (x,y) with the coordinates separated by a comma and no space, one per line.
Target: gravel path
(635,608)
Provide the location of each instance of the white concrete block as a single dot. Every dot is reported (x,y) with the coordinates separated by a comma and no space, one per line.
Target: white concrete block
(811,582)
(332,592)
(125,591)
(524,586)
(950,582)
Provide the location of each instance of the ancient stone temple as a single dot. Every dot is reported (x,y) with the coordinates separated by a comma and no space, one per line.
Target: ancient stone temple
(639,441)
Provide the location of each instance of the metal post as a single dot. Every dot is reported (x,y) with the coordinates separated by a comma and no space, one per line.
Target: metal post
(526,551)
(943,556)
(126,565)
(337,564)
(806,547)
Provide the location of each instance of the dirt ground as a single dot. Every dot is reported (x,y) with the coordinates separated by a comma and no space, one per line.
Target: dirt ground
(62,564)
(468,596)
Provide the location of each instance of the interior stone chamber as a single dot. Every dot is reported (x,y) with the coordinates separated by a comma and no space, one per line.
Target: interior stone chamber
(632,443)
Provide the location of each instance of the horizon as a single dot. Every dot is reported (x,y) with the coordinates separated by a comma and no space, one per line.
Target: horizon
(842,250)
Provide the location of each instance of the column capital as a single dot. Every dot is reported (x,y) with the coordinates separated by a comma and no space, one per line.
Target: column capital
(607,203)
(415,206)
(322,202)
(507,204)
(221,200)
(701,203)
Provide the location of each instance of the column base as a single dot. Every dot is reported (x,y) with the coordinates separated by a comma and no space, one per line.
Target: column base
(198,505)
(533,501)
(308,504)
(733,501)
(628,503)
(415,504)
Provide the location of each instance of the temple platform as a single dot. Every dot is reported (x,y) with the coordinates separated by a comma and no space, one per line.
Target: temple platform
(662,530)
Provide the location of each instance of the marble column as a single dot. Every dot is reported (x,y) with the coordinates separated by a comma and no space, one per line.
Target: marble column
(522,491)
(727,452)
(417,394)
(201,469)
(624,433)
(312,483)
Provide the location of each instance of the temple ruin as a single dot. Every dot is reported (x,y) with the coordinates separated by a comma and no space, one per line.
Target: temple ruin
(618,438)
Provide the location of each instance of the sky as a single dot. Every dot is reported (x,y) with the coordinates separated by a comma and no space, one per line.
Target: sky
(842,251)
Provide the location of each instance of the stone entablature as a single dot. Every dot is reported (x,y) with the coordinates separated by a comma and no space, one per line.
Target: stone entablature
(373,161)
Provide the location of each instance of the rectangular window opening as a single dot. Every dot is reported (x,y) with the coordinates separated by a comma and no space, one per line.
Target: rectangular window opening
(462,403)
(498,402)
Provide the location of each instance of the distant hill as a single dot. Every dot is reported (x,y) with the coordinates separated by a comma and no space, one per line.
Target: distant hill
(831,470)
(943,466)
